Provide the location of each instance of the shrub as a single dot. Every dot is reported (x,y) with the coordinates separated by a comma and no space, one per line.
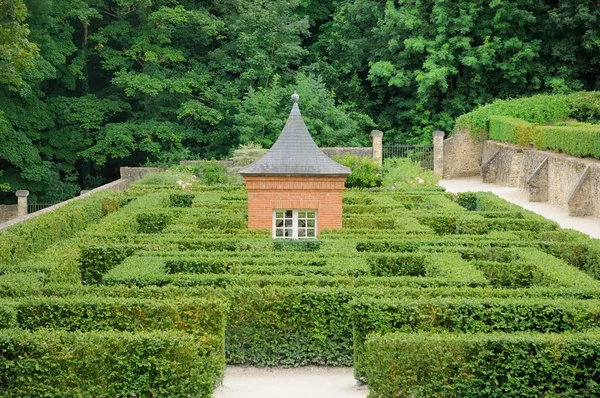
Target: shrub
(96,260)
(408,264)
(481,365)
(465,315)
(365,171)
(24,239)
(181,199)
(515,131)
(303,245)
(64,364)
(401,173)
(582,140)
(151,223)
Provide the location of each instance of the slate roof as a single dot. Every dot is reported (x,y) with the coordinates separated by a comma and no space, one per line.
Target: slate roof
(295,153)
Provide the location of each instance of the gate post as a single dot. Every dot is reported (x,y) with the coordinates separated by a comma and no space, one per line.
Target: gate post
(22,202)
(438,153)
(377,137)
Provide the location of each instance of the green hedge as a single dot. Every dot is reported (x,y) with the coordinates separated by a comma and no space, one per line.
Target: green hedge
(581,141)
(91,313)
(483,365)
(26,238)
(515,131)
(109,364)
(467,315)
(541,109)
(294,326)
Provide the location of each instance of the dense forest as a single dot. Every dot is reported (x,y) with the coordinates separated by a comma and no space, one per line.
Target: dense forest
(88,86)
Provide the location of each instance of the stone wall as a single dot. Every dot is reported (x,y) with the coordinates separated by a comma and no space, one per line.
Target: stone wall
(8,212)
(501,164)
(565,181)
(323,194)
(462,155)
(135,173)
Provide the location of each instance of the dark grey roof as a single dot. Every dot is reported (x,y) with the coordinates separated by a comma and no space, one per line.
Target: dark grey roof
(295,153)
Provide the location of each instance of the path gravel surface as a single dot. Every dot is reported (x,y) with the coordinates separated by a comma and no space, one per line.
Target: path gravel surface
(305,382)
(587,225)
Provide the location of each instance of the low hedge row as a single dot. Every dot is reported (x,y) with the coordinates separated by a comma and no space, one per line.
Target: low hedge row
(483,365)
(412,244)
(109,364)
(89,313)
(576,139)
(467,315)
(24,239)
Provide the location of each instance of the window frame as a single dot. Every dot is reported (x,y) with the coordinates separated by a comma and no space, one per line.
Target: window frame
(295,223)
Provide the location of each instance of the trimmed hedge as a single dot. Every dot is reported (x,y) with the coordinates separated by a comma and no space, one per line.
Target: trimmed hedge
(515,131)
(91,313)
(580,140)
(483,365)
(24,239)
(110,364)
(467,315)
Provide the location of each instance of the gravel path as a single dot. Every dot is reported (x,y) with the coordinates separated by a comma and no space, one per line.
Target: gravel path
(588,225)
(305,382)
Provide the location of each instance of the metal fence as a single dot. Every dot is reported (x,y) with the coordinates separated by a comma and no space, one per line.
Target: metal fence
(33,207)
(419,153)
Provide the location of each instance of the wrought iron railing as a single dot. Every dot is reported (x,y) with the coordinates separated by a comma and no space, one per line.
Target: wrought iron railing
(33,207)
(419,153)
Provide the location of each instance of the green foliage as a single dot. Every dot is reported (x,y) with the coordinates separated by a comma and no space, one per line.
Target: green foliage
(301,245)
(96,260)
(151,223)
(110,363)
(581,140)
(481,365)
(263,114)
(465,315)
(401,173)
(366,173)
(181,199)
(16,51)
(24,239)
(515,131)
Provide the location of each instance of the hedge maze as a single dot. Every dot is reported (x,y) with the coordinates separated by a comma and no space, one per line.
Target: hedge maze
(150,292)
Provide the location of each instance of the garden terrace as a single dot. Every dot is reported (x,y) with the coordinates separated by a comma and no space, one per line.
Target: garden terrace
(176,276)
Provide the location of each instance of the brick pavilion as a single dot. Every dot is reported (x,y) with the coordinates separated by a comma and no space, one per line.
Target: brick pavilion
(295,190)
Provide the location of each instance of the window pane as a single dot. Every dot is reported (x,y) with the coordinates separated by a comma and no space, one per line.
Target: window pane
(279,223)
(288,223)
(279,214)
(301,214)
(301,233)
(279,232)
(310,214)
(301,223)
(288,213)
(311,223)
(310,233)
(289,233)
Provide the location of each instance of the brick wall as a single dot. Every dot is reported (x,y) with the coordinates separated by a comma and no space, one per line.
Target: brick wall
(323,194)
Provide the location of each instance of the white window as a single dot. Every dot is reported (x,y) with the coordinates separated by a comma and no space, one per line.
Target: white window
(294,224)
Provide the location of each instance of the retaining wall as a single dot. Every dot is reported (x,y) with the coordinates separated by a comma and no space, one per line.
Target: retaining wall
(566,181)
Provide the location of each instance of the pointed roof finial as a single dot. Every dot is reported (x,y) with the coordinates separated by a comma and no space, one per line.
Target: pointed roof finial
(295,97)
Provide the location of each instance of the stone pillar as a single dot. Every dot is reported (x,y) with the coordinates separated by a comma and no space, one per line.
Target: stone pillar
(377,137)
(22,202)
(438,153)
